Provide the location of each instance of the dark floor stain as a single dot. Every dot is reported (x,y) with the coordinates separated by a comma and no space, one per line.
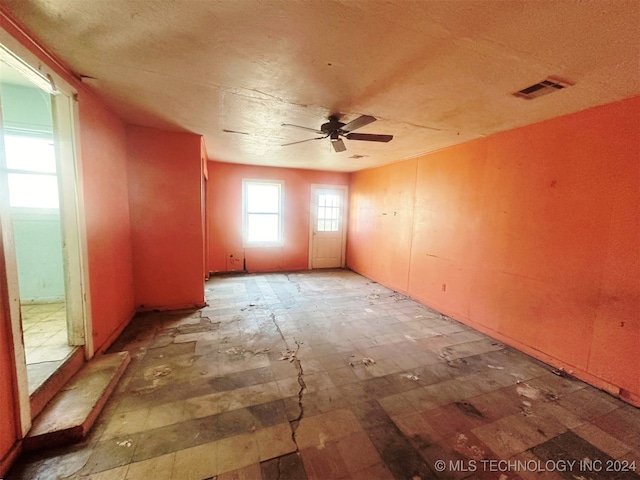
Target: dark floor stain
(205,325)
(379,387)
(269,414)
(171,438)
(235,422)
(287,467)
(247,378)
(589,461)
(469,409)
(400,457)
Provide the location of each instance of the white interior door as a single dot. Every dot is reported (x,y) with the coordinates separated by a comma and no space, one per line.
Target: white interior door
(327,235)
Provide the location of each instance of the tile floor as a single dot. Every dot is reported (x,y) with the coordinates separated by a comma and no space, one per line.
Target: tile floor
(272,381)
(45,340)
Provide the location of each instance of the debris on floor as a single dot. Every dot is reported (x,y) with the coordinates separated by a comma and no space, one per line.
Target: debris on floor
(159,371)
(251,305)
(526,408)
(235,351)
(473,452)
(456,363)
(412,376)
(561,372)
(527,391)
(445,354)
(373,296)
(261,350)
(494,367)
(289,355)
(552,397)
(125,443)
(366,361)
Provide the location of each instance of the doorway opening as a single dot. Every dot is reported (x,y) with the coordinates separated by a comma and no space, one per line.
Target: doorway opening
(39,214)
(37,232)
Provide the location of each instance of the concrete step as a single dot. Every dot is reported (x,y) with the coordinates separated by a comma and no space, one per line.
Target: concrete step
(71,413)
(43,391)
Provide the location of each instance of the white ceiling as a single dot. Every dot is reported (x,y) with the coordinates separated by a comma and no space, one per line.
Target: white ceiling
(434,73)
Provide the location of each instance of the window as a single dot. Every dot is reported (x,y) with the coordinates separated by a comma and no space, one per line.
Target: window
(31,169)
(328,212)
(262,209)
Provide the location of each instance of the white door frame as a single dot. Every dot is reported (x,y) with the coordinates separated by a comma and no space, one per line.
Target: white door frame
(73,227)
(66,128)
(343,219)
(13,293)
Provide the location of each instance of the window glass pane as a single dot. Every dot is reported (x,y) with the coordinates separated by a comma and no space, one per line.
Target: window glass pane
(263,198)
(33,191)
(30,153)
(328,212)
(262,228)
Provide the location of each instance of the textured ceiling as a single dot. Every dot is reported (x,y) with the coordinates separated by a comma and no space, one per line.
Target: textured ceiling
(434,73)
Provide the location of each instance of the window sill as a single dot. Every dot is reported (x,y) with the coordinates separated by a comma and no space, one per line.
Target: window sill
(262,245)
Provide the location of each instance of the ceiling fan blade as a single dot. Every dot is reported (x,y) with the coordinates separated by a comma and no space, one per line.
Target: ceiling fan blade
(358,123)
(369,137)
(338,145)
(319,132)
(302,141)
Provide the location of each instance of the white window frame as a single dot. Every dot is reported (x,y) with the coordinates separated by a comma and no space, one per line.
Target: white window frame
(245,214)
(34,173)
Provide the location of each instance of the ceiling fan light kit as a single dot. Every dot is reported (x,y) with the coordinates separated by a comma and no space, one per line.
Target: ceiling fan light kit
(336,130)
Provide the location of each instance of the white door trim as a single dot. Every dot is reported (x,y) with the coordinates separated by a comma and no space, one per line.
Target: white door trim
(72,215)
(343,219)
(10,273)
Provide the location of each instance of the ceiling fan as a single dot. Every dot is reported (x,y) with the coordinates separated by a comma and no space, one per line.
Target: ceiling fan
(335,130)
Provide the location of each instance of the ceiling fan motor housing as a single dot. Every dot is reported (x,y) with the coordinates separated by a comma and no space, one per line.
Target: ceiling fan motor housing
(332,127)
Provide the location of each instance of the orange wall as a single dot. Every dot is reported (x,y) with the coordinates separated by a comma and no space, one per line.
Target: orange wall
(165,179)
(104,175)
(9,421)
(224,205)
(530,235)
(380,222)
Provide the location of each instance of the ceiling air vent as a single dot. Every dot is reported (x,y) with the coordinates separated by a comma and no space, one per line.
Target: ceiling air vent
(548,85)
